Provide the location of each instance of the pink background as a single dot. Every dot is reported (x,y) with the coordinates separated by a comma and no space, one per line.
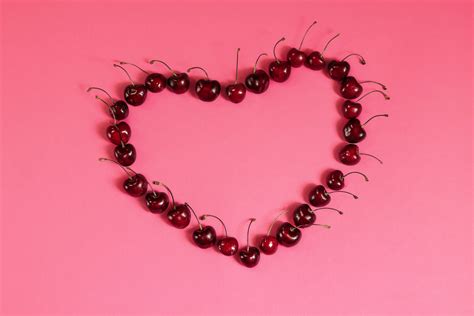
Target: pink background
(72,242)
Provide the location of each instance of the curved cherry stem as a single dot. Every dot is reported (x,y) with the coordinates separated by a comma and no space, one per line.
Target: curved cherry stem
(374,91)
(306,33)
(256,62)
(274,48)
(361,59)
(167,189)
(109,107)
(189,69)
(126,169)
(203,217)
(356,172)
(248,232)
(163,63)
(197,218)
(322,225)
(126,72)
(100,89)
(370,119)
(127,63)
(328,208)
(376,82)
(372,156)
(274,221)
(353,195)
(329,42)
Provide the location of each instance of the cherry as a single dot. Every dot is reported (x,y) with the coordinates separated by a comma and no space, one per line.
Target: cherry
(315,60)
(119,133)
(352,109)
(351,89)
(304,216)
(205,236)
(320,197)
(157,202)
(335,179)
(118,110)
(178,82)
(228,246)
(288,235)
(338,70)
(350,155)
(279,70)
(295,56)
(269,244)
(154,82)
(136,184)
(125,154)
(134,94)
(354,131)
(258,81)
(179,216)
(206,90)
(249,256)
(236,92)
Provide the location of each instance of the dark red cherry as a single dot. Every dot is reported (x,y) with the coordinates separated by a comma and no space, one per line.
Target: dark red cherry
(279,70)
(288,235)
(338,70)
(117,108)
(258,81)
(349,154)
(228,246)
(179,216)
(207,90)
(315,60)
(136,185)
(335,179)
(303,216)
(351,109)
(249,256)
(125,154)
(319,196)
(157,202)
(178,83)
(155,82)
(350,88)
(295,56)
(119,133)
(204,237)
(135,94)
(269,245)
(236,92)
(353,131)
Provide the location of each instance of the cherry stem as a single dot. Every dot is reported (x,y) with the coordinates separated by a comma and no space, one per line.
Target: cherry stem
(126,72)
(328,208)
(373,91)
(274,222)
(126,169)
(100,89)
(167,189)
(322,225)
(127,63)
(207,76)
(203,217)
(163,63)
(372,156)
(370,81)
(361,59)
(370,119)
(274,48)
(356,172)
(353,195)
(109,107)
(248,232)
(197,218)
(256,62)
(306,33)
(328,42)
(237,65)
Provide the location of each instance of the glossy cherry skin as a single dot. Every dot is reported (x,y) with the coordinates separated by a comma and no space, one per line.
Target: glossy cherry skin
(249,257)
(258,81)
(353,131)
(349,155)
(303,216)
(351,109)
(296,57)
(315,61)
(269,245)
(335,180)
(236,92)
(135,94)
(125,154)
(204,237)
(228,246)
(279,70)
(155,82)
(319,196)
(288,235)
(119,110)
(157,202)
(207,90)
(179,216)
(178,83)
(119,133)
(136,185)
(338,70)
(350,88)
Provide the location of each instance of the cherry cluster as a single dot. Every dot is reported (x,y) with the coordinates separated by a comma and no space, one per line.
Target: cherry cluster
(258,81)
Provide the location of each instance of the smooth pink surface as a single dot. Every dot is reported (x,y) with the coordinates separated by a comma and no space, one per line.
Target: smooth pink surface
(72,242)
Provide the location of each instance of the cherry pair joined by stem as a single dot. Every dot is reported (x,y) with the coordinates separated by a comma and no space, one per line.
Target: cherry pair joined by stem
(351,88)
(335,179)
(320,197)
(228,246)
(118,109)
(249,256)
(350,155)
(354,131)
(351,109)
(178,82)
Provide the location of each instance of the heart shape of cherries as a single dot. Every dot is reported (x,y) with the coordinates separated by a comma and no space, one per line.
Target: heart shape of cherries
(258,81)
